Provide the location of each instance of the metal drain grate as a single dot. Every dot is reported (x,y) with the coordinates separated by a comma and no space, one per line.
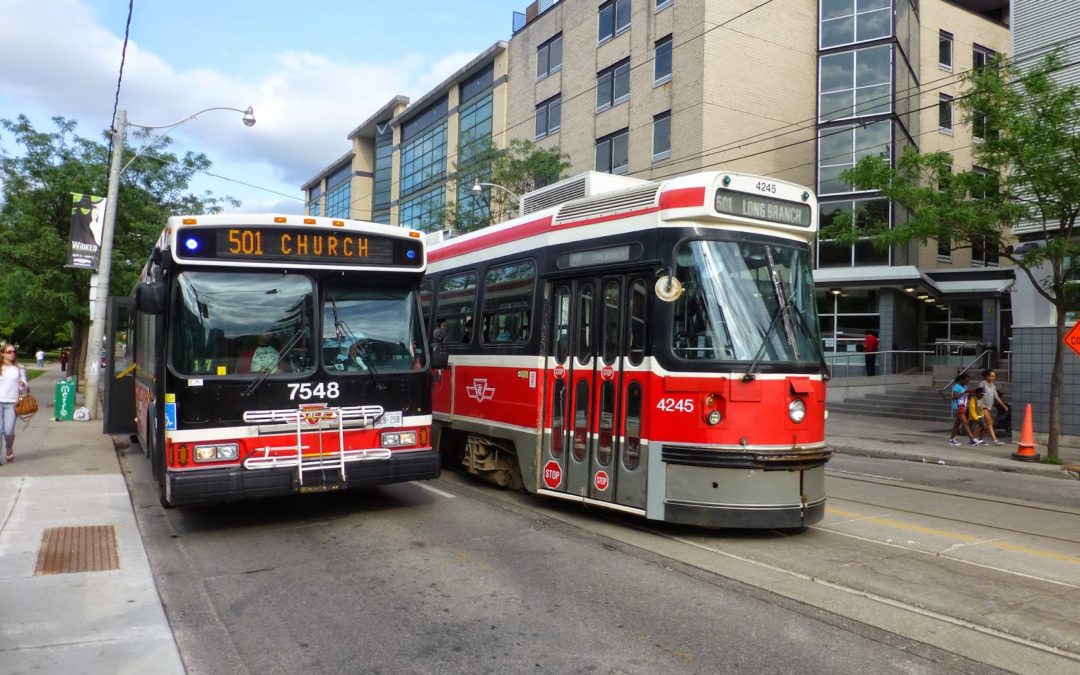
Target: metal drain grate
(77,549)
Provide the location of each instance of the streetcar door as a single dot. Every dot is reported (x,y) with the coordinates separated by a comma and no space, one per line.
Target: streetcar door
(118,371)
(563,465)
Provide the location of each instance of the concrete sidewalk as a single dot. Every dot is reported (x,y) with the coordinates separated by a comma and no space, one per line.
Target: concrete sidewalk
(65,510)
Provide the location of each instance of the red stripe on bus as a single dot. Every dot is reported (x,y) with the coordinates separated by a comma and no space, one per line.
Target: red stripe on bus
(682,198)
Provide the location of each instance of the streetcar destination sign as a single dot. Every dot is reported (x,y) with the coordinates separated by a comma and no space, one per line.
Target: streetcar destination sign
(763,208)
(294,244)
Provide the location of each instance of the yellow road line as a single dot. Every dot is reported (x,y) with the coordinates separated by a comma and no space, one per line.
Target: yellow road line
(957,536)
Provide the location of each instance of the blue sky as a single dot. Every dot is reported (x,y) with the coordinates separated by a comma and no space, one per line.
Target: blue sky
(311,71)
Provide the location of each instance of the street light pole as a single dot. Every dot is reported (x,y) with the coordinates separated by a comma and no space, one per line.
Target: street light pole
(99,295)
(478,187)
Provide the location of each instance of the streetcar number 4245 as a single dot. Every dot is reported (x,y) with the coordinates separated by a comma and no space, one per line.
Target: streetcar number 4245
(675,405)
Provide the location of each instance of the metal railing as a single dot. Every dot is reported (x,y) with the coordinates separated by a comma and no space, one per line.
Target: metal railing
(980,363)
(889,362)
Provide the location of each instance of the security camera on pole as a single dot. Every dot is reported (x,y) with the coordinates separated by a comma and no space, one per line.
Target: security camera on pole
(99,291)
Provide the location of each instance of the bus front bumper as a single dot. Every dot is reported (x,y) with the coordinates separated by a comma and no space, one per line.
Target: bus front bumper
(235,483)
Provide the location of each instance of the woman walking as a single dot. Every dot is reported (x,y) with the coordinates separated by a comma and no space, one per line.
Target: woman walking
(990,397)
(13,384)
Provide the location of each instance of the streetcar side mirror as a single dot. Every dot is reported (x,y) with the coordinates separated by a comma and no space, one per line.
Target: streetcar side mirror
(150,297)
(440,358)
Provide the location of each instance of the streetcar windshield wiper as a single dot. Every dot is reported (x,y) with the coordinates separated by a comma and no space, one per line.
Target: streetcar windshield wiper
(293,341)
(750,372)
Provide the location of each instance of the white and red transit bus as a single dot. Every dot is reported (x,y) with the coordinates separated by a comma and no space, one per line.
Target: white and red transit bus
(652,348)
(278,354)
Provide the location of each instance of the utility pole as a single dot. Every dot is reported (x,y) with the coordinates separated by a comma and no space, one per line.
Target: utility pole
(101,293)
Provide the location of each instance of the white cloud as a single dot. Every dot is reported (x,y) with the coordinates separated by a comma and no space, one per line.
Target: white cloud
(56,58)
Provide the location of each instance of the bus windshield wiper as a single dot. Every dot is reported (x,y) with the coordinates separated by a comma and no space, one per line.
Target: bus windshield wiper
(293,341)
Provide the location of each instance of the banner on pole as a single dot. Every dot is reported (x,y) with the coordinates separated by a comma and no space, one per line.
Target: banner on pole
(87,216)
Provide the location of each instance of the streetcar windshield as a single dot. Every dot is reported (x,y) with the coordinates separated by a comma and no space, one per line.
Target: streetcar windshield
(239,323)
(371,329)
(745,301)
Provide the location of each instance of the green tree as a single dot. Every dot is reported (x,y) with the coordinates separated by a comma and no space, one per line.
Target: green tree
(1029,153)
(40,299)
(520,168)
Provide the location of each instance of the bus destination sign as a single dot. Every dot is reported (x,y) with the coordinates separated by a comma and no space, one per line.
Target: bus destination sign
(763,208)
(295,244)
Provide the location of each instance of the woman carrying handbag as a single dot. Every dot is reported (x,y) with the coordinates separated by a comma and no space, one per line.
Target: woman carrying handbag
(13,385)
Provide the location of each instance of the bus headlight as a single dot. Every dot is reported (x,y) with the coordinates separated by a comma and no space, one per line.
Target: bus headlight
(714,417)
(216,453)
(796,410)
(394,439)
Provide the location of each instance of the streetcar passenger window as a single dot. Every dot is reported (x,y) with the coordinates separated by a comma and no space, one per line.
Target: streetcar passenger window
(581,420)
(457,304)
(632,449)
(585,323)
(638,298)
(611,321)
(508,293)
(222,318)
(371,329)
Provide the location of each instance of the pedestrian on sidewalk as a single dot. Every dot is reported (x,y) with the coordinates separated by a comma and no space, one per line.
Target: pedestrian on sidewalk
(13,384)
(63,360)
(870,346)
(989,398)
(39,356)
(960,395)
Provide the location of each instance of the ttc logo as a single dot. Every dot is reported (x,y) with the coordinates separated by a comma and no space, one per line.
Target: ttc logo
(480,391)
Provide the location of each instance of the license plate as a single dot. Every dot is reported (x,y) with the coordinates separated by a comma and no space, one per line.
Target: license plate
(389,419)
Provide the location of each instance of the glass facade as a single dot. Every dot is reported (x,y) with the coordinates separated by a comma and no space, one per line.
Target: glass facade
(314,206)
(424,211)
(856,83)
(849,21)
(383,174)
(832,254)
(423,160)
(840,147)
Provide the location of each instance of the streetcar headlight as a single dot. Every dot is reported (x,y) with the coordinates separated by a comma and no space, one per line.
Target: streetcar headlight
(393,439)
(714,417)
(796,410)
(216,453)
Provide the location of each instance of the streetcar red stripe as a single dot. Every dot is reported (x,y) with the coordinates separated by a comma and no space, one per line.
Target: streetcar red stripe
(489,239)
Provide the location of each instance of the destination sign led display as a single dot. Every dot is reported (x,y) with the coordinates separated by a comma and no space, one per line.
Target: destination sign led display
(307,245)
(763,208)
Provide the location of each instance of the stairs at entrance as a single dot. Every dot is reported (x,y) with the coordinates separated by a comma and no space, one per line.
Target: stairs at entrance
(900,401)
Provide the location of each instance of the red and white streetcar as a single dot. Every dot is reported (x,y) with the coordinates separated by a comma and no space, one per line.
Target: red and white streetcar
(649,347)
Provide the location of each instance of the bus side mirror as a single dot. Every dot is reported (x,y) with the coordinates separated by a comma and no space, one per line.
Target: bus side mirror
(150,297)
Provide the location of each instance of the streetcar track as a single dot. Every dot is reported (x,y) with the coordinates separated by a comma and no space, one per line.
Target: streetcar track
(1037,509)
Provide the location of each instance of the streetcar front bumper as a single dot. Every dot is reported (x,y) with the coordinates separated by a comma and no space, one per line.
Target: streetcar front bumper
(235,483)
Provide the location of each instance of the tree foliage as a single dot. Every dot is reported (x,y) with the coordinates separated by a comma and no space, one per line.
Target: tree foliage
(521,167)
(41,301)
(1028,178)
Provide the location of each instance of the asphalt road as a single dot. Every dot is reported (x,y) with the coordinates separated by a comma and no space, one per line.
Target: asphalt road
(457,577)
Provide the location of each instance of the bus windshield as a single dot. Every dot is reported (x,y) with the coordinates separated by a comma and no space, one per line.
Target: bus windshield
(371,329)
(242,323)
(745,301)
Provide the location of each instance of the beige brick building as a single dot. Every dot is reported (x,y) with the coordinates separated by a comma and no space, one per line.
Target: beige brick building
(795,89)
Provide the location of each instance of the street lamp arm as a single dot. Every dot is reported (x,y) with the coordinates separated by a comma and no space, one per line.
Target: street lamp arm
(478,187)
(249,121)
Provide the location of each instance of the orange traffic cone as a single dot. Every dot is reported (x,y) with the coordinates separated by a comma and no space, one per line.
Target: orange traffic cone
(1026,452)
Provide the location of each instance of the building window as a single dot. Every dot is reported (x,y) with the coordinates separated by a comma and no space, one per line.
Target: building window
(840,147)
(662,61)
(338,192)
(856,83)
(424,212)
(474,130)
(661,4)
(423,160)
(981,57)
(661,136)
(944,58)
(614,18)
(613,152)
(613,85)
(549,57)
(944,108)
(548,115)
(845,318)
(867,212)
(848,21)
(314,206)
